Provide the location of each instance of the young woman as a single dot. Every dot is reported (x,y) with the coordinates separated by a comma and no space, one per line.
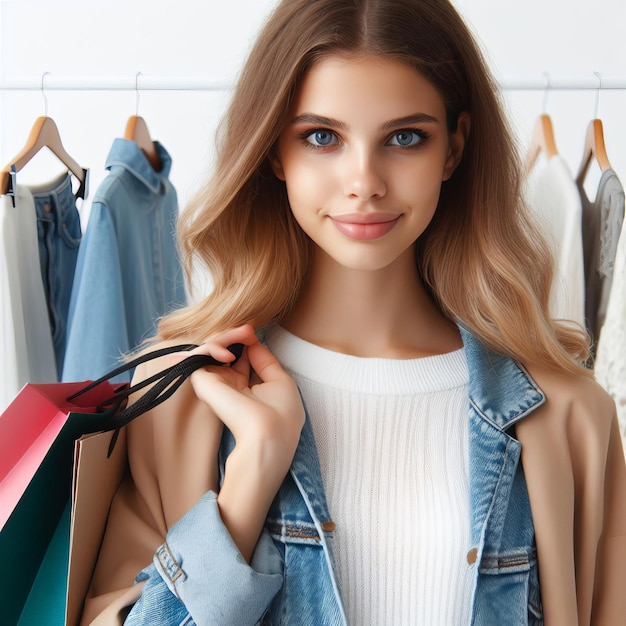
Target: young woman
(454,463)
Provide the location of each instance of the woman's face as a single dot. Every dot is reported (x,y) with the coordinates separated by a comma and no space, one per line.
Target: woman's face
(363,156)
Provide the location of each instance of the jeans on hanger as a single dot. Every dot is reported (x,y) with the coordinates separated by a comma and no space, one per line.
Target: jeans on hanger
(59,235)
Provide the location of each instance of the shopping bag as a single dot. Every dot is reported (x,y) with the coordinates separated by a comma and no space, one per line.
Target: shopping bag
(30,425)
(97,475)
(37,434)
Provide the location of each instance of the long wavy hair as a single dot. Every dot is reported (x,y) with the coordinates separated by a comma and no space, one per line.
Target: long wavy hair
(482,258)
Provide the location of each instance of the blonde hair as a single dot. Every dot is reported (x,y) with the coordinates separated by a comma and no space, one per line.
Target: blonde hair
(482,258)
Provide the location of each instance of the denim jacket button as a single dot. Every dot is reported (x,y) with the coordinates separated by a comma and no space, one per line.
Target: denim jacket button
(471,556)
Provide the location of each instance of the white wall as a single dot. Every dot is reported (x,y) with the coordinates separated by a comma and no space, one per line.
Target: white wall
(121,38)
(563,38)
(210,37)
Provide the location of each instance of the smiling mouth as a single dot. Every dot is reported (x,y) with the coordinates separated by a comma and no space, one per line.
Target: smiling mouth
(365,226)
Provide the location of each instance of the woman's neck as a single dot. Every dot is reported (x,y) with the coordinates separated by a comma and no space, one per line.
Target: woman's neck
(385,313)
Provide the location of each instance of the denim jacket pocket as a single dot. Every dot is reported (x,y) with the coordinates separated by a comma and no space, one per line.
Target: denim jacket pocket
(508,562)
(298,531)
(308,596)
(512,575)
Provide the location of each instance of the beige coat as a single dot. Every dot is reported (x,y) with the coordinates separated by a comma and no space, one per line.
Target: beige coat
(574,466)
(576,475)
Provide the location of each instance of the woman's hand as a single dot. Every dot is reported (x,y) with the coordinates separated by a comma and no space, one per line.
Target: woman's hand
(265,418)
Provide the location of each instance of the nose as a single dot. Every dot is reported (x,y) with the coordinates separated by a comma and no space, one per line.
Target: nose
(363,177)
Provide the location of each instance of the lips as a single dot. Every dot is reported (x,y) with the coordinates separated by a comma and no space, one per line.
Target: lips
(365,226)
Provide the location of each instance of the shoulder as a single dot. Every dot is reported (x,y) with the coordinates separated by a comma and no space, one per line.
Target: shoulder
(158,357)
(568,443)
(576,407)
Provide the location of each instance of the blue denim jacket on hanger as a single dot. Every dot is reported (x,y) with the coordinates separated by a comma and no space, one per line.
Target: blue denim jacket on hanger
(199,570)
(128,272)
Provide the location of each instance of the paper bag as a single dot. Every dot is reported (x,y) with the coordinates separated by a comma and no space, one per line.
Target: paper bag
(96,478)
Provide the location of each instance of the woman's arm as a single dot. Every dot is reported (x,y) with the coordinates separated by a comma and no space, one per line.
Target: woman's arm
(214,538)
(265,418)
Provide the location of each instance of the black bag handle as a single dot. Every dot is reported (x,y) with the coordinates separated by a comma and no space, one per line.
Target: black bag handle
(166,382)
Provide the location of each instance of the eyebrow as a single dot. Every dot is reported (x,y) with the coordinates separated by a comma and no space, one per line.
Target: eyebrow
(320,120)
(417,118)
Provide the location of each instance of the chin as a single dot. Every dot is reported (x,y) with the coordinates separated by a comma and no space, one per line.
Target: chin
(364,264)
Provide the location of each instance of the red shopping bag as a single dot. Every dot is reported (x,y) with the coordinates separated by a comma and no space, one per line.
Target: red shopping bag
(30,425)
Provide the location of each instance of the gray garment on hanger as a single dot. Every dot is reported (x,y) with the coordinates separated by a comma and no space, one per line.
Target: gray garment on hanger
(602,224)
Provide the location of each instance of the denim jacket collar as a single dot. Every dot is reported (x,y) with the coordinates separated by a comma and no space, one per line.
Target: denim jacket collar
(500,390)
(127,154)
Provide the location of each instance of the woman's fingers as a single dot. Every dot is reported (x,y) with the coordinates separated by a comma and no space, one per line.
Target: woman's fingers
(227,391)
(269,410)
(227,396)
(259,358)
(265,364)
(217,345)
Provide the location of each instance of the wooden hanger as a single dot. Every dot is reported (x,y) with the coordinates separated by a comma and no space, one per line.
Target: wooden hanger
(542,140)
(594,148)
(43,134)
(137,131)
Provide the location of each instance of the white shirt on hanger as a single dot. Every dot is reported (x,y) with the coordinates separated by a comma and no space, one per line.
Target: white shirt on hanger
(26,351)
(552,195)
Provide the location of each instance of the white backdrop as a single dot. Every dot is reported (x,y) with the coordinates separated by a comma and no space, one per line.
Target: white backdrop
(209,38)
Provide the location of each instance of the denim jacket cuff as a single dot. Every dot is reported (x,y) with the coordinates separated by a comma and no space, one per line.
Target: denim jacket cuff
(203,567)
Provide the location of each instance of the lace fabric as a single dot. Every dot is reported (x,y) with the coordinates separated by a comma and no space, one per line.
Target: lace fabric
(610,363)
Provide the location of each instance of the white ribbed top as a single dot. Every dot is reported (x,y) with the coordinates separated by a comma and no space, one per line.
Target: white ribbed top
(392,442)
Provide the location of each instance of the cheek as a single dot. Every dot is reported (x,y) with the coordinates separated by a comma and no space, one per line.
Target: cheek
(300,202)
(307,186)
(420,188)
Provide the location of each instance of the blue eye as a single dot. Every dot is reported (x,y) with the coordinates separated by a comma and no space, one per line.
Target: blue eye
(406,138)
(322,138)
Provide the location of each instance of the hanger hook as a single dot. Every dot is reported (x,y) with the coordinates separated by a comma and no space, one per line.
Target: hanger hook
(545,92)
(137,94)
(595,113)
(43,93)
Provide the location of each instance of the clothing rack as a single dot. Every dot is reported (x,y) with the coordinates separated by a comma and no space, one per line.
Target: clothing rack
(147,82)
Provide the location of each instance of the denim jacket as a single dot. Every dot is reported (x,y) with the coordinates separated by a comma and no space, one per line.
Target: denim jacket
(198,570)
(128,272)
